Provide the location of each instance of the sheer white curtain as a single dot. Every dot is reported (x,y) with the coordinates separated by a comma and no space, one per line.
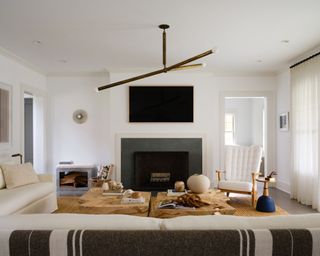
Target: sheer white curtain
(305,178)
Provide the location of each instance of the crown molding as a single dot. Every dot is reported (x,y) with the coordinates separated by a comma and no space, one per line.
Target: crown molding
(6,53)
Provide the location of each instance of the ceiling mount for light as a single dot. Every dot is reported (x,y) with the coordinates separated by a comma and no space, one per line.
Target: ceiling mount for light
(178,66)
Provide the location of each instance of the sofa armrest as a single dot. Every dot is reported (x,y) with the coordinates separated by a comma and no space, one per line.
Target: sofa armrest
(45,177)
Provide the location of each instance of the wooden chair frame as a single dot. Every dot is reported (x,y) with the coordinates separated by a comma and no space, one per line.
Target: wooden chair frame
(253,191)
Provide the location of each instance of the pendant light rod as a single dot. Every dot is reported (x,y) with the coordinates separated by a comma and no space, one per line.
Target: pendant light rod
(184,67)
(164,43)
(157,72)
(178,66)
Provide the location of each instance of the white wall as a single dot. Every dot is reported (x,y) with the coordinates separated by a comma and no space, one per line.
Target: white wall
(17,75)
(207,89)
(85,143)
(283,137)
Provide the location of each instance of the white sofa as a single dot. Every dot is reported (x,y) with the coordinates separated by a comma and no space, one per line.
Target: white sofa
(127,222)
(80,234)
(32,198)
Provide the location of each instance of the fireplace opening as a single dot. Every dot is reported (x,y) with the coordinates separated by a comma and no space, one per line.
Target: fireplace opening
(158,171)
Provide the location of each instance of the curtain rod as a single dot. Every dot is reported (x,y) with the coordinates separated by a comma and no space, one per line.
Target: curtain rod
(306,59)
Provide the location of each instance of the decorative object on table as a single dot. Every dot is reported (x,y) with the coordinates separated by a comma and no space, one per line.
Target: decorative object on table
(284,121)
(105,171)
(173,192)
(192,200)
(198,183)
(128,193)
(105,186)
(115,185)
(184,201)
(270,176)
(178,66)
(265,202)
(113,188)
(136,195)
(103,174)
(80,116)
(179,186)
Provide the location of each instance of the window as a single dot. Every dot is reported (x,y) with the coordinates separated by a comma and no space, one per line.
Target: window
(229,129)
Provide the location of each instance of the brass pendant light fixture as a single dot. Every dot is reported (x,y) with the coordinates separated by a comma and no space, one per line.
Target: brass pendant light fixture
(178,66)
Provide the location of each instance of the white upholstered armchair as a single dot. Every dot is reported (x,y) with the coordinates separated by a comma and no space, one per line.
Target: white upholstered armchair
(242,165)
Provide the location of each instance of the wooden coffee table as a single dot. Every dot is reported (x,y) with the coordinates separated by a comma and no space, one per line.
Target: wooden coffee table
(218,206)
(93,202)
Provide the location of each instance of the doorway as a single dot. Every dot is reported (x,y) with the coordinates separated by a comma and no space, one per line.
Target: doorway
(33,129)
(245,122)
(252,123)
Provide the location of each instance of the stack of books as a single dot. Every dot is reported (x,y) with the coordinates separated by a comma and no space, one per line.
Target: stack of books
(113,192)
(129,200)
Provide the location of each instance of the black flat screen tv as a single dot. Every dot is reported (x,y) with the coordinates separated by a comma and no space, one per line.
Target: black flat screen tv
(161,103)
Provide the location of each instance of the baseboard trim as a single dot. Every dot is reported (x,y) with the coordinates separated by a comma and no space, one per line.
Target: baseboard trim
(284,186)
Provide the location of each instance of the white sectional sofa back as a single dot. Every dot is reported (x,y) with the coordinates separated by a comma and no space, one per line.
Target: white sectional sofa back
(76,234)
(127,222)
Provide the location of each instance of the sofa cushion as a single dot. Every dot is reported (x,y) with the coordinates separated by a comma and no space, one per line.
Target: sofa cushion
(16,175)
(79,221)
(2,182)
(12,200)
(235,185)
(230,222)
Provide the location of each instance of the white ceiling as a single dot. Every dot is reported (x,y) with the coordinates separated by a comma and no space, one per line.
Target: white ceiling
(93,35)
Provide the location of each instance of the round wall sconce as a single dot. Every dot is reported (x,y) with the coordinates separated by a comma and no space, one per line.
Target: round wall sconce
(80,116)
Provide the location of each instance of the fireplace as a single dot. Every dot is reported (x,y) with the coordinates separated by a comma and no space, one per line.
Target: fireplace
(156,171)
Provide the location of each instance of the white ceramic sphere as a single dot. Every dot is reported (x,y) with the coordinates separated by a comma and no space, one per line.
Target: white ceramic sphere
(198,183)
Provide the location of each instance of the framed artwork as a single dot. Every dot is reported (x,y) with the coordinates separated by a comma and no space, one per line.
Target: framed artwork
(5,115)
(284,121)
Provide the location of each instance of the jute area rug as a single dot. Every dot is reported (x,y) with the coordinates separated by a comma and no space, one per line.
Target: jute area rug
(70,204)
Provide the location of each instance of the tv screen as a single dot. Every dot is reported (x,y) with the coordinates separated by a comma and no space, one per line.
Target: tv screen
(161,103)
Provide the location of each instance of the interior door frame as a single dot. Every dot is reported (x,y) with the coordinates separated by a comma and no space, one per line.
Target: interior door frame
(270,126)
(36,93)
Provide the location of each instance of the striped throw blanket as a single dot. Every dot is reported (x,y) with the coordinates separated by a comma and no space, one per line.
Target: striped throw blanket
(262,242)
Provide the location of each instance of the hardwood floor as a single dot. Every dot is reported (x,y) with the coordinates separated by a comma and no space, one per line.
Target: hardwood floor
(291,206)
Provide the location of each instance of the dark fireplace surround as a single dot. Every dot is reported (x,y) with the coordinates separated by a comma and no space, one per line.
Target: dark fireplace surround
(154,164)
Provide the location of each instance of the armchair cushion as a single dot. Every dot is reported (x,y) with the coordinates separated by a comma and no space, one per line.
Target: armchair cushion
(235,185)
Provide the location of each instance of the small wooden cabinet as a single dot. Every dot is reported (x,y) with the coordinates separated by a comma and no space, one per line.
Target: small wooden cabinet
(73,179)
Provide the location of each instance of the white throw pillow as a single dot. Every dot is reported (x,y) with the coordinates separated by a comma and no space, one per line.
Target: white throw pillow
(2,182)
(18,175)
